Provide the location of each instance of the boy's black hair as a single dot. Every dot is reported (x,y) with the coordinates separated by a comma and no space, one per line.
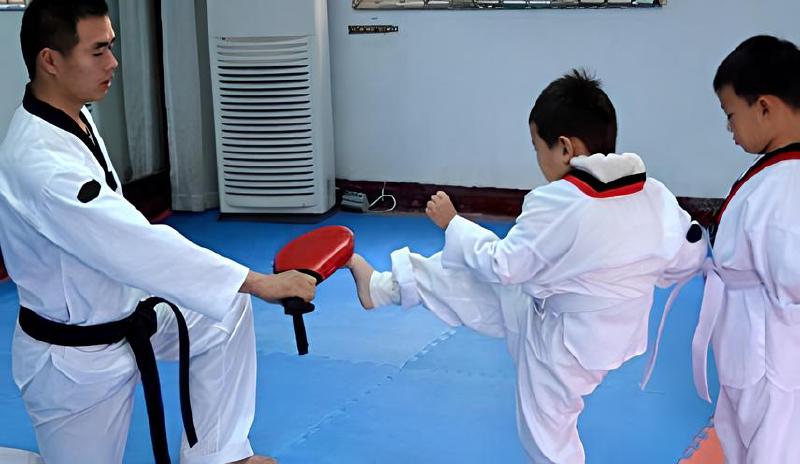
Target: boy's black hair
(54,24)
(575,106)
(762,65)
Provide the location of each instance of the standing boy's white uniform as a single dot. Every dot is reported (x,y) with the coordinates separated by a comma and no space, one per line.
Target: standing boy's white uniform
(751,311)
(80,254)
(570,287)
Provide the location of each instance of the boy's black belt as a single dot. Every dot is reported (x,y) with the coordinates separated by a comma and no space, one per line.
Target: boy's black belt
(137,330)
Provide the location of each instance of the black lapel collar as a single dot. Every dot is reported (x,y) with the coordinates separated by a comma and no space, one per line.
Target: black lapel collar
(61,120)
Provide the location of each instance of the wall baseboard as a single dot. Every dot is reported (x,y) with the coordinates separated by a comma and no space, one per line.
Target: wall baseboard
(412,197)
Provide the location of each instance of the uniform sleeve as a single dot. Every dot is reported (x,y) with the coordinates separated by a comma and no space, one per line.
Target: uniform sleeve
(88,220)
(506,261)
(690,257)
(517,257)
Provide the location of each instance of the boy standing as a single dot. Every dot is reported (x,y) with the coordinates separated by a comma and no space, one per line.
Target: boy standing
(750,309)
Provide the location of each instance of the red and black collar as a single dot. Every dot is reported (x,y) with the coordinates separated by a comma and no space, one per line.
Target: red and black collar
(595,188)
(789,152)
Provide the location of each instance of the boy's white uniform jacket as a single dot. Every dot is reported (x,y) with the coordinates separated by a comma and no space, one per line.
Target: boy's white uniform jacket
(589,249)
(757,331)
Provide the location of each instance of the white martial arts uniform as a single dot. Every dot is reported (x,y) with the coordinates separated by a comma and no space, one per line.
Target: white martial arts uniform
(751,312)
(570,287)
(80,254)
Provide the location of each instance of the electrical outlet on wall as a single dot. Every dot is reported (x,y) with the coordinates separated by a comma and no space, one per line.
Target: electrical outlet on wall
(372,29)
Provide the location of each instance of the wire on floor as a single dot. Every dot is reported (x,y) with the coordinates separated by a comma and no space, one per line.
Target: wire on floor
(381,197)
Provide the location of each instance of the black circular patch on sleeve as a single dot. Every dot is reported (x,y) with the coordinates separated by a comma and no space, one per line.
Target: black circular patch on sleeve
(695,233)
(89,191)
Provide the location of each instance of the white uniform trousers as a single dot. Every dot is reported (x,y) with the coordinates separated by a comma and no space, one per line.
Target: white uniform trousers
(80,400)
(759,424)
(550,380)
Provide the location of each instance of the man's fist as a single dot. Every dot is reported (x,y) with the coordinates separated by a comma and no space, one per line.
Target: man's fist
(275,287)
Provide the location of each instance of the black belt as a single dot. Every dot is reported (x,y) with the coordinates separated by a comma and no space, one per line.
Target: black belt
(137,330)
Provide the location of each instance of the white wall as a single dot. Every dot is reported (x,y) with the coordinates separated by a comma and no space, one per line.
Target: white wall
(446,99)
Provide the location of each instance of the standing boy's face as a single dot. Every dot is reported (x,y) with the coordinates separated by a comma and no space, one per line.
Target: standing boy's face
(86,71)
(746,122)
(553,161)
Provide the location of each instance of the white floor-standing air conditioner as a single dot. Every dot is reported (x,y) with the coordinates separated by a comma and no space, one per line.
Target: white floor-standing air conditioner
(270,73)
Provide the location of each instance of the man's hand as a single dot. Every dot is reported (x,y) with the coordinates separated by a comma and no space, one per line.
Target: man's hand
(276,287)
(441,210)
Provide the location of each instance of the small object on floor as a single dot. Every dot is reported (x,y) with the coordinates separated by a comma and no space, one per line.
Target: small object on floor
(17,456)
(255,459)
(318,253)
(355,201)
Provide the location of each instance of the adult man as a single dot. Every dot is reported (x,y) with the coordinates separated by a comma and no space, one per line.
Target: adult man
(85,261)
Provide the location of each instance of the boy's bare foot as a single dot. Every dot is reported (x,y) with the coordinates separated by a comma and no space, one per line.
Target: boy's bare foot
(362,274)
(256,460)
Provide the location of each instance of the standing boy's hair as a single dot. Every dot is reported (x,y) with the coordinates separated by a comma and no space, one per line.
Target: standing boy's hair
(54,24)
(575,106)
(762,65)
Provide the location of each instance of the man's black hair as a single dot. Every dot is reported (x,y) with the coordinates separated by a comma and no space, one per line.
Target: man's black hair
(54,24)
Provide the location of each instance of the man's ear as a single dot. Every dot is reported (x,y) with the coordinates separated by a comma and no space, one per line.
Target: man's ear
(48,60)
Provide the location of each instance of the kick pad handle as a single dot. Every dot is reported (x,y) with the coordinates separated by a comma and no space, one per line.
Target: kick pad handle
(296,307)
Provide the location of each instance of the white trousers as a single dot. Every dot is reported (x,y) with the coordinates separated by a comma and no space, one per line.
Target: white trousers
(80,399)
(551,382)
(758,424)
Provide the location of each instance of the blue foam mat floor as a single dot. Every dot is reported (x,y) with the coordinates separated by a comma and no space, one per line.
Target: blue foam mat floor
(397,386)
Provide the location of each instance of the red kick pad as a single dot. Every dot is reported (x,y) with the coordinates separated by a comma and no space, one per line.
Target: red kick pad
(321,252)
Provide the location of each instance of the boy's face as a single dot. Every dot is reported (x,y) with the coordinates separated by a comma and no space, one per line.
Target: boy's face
(553,161)
(748,123)
(86,71)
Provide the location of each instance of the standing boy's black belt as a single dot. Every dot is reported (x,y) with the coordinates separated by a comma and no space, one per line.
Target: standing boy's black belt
(137,330)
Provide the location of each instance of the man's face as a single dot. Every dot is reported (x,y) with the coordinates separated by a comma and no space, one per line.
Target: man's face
(552,161)
(745,121)
(86,71)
